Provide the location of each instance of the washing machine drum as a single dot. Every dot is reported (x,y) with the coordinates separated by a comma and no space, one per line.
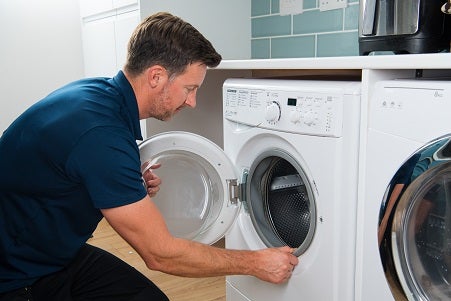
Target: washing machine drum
(281,201)
(415,245)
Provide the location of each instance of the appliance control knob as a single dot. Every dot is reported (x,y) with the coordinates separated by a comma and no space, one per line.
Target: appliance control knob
(273,112)
(295,117)
(309,118)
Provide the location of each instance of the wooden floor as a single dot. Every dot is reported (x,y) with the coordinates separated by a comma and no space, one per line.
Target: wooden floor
(176,288)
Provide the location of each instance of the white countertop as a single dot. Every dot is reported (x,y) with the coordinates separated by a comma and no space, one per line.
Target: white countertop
(405,61)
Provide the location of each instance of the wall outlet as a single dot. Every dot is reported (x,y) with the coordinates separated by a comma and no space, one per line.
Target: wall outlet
(291,7)
(332,4)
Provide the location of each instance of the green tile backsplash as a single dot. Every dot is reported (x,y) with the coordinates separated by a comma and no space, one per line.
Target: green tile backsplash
(298,46)
(314,21)
(313,33)
(273,25)
(337,44)
(261,7)
(260,48)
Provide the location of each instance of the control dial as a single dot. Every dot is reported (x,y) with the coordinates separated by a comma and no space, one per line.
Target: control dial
(273,112)
(309,118)
(295,117)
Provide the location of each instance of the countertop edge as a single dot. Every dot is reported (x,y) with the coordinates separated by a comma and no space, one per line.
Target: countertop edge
(404,61)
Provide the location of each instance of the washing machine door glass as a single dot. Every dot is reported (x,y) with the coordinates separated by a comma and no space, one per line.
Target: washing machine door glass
(281,201)
(198,180)
(418,248)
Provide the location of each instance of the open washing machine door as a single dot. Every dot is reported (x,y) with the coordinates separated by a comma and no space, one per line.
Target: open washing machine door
(415,225)
(199,194)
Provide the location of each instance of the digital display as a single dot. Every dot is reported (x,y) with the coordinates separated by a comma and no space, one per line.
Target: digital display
(291,101)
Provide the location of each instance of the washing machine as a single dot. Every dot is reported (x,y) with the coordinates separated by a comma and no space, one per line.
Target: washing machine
(287,176)
(404,216)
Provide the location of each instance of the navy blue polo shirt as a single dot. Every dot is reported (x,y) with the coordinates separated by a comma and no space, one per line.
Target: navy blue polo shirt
(65,158)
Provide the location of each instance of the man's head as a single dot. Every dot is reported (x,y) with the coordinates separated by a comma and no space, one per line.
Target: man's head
(166,40)
(166,64)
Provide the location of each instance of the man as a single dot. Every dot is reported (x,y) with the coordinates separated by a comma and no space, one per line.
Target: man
(71,159)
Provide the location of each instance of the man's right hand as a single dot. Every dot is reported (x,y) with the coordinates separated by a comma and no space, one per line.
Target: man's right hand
(276,264)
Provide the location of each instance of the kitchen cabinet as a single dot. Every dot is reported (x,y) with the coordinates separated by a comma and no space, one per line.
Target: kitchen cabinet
(226,24)
(122,3)
(90,7)
(105,42)
(124,26)
(99,47)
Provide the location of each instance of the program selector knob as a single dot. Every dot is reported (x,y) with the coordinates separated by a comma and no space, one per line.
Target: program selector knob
(272,112)
(295,117)
(309,118)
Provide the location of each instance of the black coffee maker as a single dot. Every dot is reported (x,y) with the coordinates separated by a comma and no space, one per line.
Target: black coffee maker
(403,26)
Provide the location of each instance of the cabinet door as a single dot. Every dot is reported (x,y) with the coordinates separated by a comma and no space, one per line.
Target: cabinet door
(90,7)
(99,47)
(122,3)
(124,25)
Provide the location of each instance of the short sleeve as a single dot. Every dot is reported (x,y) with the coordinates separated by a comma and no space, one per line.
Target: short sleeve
(106,162)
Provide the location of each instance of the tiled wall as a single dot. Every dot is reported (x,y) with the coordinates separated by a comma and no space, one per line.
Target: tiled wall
(313,33)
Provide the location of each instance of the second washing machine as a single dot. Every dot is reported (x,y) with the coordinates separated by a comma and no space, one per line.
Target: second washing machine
(404,215)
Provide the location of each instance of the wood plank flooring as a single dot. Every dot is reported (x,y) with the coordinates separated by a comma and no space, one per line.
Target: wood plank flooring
(176,288)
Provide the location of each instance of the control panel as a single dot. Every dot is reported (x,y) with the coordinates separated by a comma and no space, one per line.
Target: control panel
(297,106)
(396,105)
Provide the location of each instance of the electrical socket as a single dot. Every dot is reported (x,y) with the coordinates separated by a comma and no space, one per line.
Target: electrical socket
(293,7)
(332,4)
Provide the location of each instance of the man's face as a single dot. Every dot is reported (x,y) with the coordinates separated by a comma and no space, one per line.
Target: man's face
(178,92)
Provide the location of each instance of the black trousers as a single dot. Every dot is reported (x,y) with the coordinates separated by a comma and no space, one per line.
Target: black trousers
(93,275)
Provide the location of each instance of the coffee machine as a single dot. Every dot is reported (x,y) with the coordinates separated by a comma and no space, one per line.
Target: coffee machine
(403,26)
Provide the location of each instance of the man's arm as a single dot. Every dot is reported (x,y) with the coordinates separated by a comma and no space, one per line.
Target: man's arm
(142,226)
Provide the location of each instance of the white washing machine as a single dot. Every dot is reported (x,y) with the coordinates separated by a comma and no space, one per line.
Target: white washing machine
(404,216)
(287,176)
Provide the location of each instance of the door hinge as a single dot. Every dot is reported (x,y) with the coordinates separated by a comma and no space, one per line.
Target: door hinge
(234,191)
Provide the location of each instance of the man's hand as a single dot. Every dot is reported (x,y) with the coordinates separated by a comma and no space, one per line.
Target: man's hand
(151,180)
(277,265)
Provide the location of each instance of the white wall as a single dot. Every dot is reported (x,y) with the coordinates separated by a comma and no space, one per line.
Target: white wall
(40,50)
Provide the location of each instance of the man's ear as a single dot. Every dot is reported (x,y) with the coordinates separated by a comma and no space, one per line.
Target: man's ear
(156,75)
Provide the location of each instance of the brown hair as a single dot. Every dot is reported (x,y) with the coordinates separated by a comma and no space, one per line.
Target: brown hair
(166,40)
